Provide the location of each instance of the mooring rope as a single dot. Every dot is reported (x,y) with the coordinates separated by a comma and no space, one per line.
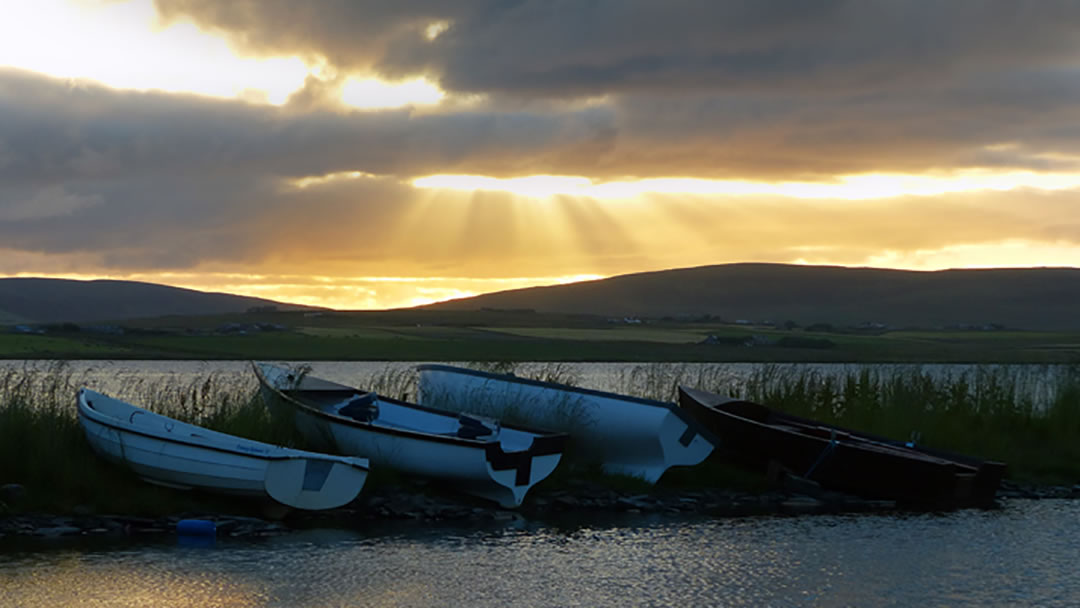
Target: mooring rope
(825,452)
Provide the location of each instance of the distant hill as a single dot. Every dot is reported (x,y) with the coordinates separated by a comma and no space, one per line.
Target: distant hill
(32,300)
(1026,298)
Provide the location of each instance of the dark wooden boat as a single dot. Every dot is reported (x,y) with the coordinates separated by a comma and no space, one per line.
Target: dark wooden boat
(759,438)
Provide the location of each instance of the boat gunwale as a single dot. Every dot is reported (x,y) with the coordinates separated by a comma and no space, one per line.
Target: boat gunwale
(105,420)
(855,438)
(973,462)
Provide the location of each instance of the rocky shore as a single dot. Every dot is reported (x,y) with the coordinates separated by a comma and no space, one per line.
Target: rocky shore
(418,503)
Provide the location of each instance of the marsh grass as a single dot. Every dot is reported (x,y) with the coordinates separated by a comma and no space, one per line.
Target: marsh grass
(395,382)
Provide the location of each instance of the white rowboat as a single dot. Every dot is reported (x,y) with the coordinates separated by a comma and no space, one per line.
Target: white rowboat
(485,458)
(171,453)
(626,435)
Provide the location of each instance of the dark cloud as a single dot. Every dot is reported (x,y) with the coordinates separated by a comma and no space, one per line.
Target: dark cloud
(347,33)
(55,130)
(574,48)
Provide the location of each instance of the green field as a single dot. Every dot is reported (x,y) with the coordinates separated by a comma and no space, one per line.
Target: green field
(412,335)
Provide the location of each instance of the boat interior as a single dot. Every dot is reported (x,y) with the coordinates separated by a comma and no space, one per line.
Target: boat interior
(766,416)
(369,408)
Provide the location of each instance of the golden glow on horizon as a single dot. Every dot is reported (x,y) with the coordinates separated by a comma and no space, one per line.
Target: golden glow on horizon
(341,293)
(1010,253)
(386,292)
(121,45)
(847,187)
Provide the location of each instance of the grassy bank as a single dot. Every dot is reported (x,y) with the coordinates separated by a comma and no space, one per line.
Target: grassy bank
(990,412)
(428,335)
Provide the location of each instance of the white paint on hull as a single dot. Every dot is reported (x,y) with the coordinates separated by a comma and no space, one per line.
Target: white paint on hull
(171,453)
(626,435)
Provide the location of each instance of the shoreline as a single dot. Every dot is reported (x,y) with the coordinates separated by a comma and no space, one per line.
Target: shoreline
(414,504)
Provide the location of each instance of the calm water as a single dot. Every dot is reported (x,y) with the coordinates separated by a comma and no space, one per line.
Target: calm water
(1023,555)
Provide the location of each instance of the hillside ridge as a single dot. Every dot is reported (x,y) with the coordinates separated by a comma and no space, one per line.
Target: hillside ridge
(1044,298)
(45,300)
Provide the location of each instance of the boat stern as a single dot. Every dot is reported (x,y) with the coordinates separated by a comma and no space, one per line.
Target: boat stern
(315,483)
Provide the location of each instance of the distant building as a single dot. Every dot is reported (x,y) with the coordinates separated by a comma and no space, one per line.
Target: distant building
(231,328)
(114,330)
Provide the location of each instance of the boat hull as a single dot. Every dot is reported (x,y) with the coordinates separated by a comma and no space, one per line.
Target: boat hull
(501,469)
(174,454)
(761,439)
(626,435)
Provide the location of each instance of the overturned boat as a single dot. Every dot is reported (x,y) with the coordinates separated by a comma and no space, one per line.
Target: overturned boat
(626,435)
(758,437)
(479,456)
(167,452)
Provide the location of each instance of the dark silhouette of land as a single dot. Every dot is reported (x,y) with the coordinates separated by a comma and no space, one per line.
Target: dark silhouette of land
(1026,298)
(34,300)
(1046,299)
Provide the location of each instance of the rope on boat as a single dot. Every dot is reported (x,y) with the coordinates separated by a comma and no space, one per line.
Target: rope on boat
(914,438)
(821,457)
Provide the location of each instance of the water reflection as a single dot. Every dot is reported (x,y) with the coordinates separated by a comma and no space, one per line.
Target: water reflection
(1021,555)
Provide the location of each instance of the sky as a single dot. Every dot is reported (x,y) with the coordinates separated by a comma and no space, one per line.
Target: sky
(367,155)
